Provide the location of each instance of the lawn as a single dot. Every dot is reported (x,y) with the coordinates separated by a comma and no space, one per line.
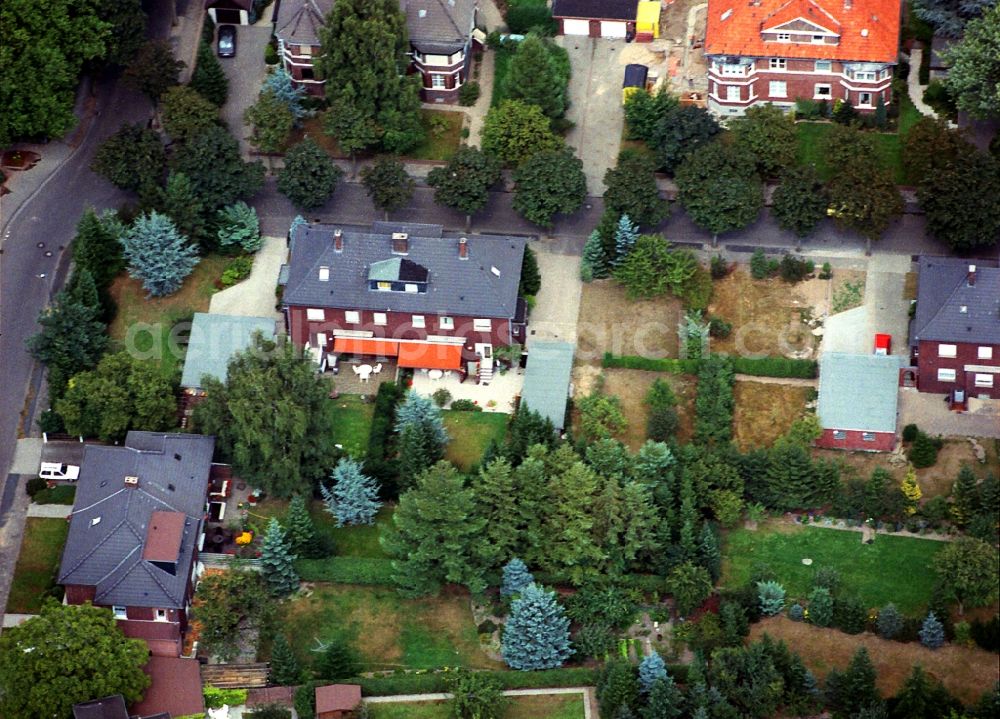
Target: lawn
(346,541)
(765,411)
(444,135)
(388,632)
(34,575)
(965,672)
(60,494)
(351,420)
(144,324)
(552,706)
(470,434)
(892,569)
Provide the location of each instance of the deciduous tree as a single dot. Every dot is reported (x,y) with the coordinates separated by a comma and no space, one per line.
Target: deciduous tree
(515,131)
(477,695)
(464,183)
(128,29)
(548,183)
(536,635)
(968,572)
(864,198)
(66,655)
(800,201)
(975,66)
(271,121)
(631,190)
(223,603)
(269,418)
(154,69)
(388,184)
(965,220)
(353,499)
(212,162)
(309,176)
(768,134)
(186,113)
(132,159)
(720,189)
(158,254)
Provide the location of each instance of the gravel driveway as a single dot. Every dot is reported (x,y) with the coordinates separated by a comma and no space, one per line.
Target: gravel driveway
(595,94)
(557,305)
(246,72)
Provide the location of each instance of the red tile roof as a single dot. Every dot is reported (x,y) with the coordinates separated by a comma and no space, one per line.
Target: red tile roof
(868,29)
(337,698)
(164,536)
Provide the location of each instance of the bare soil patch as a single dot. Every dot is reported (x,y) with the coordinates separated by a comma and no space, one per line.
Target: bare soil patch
(966,673)
(610,322)
(765,411)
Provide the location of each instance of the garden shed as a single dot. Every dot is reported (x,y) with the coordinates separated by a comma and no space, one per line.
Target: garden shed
(336,701)
(547,380)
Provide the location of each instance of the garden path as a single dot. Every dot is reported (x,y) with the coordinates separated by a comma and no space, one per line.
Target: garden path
(792,381)
(913,87)
(51,511)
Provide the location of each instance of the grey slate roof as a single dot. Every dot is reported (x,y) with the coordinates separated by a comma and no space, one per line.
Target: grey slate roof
(439,26)
(456,287)
(596,9)
(216,338)
(546,380)
(298,22)
(943,290)
(858,392)
(109,522)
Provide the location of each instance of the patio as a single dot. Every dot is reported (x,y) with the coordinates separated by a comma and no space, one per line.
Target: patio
(347,381)
(502,390)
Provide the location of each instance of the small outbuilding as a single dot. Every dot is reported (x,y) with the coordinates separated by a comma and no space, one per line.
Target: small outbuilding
(335,701)
(547,379)
(858,397)
(213,342)
(596,18)
(635,80)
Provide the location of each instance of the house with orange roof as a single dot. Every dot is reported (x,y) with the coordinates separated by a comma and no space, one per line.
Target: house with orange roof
(780,51)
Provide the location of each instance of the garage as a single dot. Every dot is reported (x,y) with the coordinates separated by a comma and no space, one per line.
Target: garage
(573,26)
(230,12)
(611,19)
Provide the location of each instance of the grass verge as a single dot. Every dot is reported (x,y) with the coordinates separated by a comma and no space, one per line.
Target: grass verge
(892,569)
(552,706)
(470,434)
(35,573)
(60,494)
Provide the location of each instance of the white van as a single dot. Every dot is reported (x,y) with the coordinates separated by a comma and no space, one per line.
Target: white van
(55,470)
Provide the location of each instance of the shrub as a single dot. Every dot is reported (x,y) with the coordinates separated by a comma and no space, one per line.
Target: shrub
(441,397)
(237,270)
(850,615)
(270,55)
(396,684)
(719,328)
(759,266)
(827,272)
(963,634)
(593,640)
(889,621)
(772,597)
(487,627)
(910,432)
(937,96)
(932,632)
(36,485)
(796,613)
(649,364)
(807,109)
(305,700)
(821,607)
(468,94)
(923,453)
(795,269)
(827,577)
(718,267)
(465,405)
(269,711)
(522,19)
(60,494)
(215,697)
(987,634)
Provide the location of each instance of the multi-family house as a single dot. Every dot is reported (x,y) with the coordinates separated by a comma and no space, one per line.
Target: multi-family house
(780,51)
(955,331)
(406,292)
(135,532)
(441,35)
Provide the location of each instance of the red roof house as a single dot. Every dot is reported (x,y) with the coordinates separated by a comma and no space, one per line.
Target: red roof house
(780,51)
(334,701)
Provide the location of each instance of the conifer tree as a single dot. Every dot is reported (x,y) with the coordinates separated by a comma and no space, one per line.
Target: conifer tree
(536,635)
(158,254)
(515,578)
(850,691)
(911,490)
(82,290)
(301,533)
(209,79)
(617,686)
(666,701)
(71,340)
(279,82)
(496,503)
(277,561)
(626,233)
(965,496)
(931,632)
(821,607)
(567,531)
(97,249)
(791,477)
(709,555)
(354,496)
(772,598)
(181,203)
(889,622)
(688,519)
(436,537)
(652,668)
(422,436)
(922,697)
(527,428)
(535,77)
(593,265)
(285,669)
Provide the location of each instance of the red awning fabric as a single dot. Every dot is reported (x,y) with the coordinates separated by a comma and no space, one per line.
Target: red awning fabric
(430,356)
(363,346)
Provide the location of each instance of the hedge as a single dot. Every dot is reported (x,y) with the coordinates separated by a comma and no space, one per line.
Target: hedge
(346,570)
(754,366)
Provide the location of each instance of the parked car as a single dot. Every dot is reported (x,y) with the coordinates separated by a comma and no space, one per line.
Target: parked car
(227,41)
(55,470)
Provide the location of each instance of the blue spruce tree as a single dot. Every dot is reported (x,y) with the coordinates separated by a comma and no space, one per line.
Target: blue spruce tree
(515,578)
(354,497)
(280,84)
(158,254)
(296,222)
(276,561)
(422,437)
(651,669)
(932,632)
(625,236)
(537,632)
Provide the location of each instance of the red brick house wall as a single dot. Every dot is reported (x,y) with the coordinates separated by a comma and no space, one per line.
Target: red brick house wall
(884,441)
(455,76)
(928,363)
(399,325)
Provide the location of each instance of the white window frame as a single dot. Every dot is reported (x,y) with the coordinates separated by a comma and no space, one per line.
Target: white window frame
(734,70)
(418,321)
(446,323)
(985,353)
(784,37)
(840,434)
(817,95)
(864,76)
(315,315)
(380,318)
(482,325)
(867,436)
(984,380)
(438,81)
(777,88)
(411,287)
(733,93)
(946,374)
(861,99)
(823,66)
(777,63)
(352,317)
(948,351)
(321,340)
(160,615)
(119,611)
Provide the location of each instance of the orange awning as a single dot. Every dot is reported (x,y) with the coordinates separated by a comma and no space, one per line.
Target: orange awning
(430,356)
(364,346)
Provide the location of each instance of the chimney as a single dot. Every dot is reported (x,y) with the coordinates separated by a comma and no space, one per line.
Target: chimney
(972,275)
(400,246)
(463,249)
(338,241)
(131,482)
(848,4)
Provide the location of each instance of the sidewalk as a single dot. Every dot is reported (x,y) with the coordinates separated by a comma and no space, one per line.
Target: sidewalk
(50,511)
